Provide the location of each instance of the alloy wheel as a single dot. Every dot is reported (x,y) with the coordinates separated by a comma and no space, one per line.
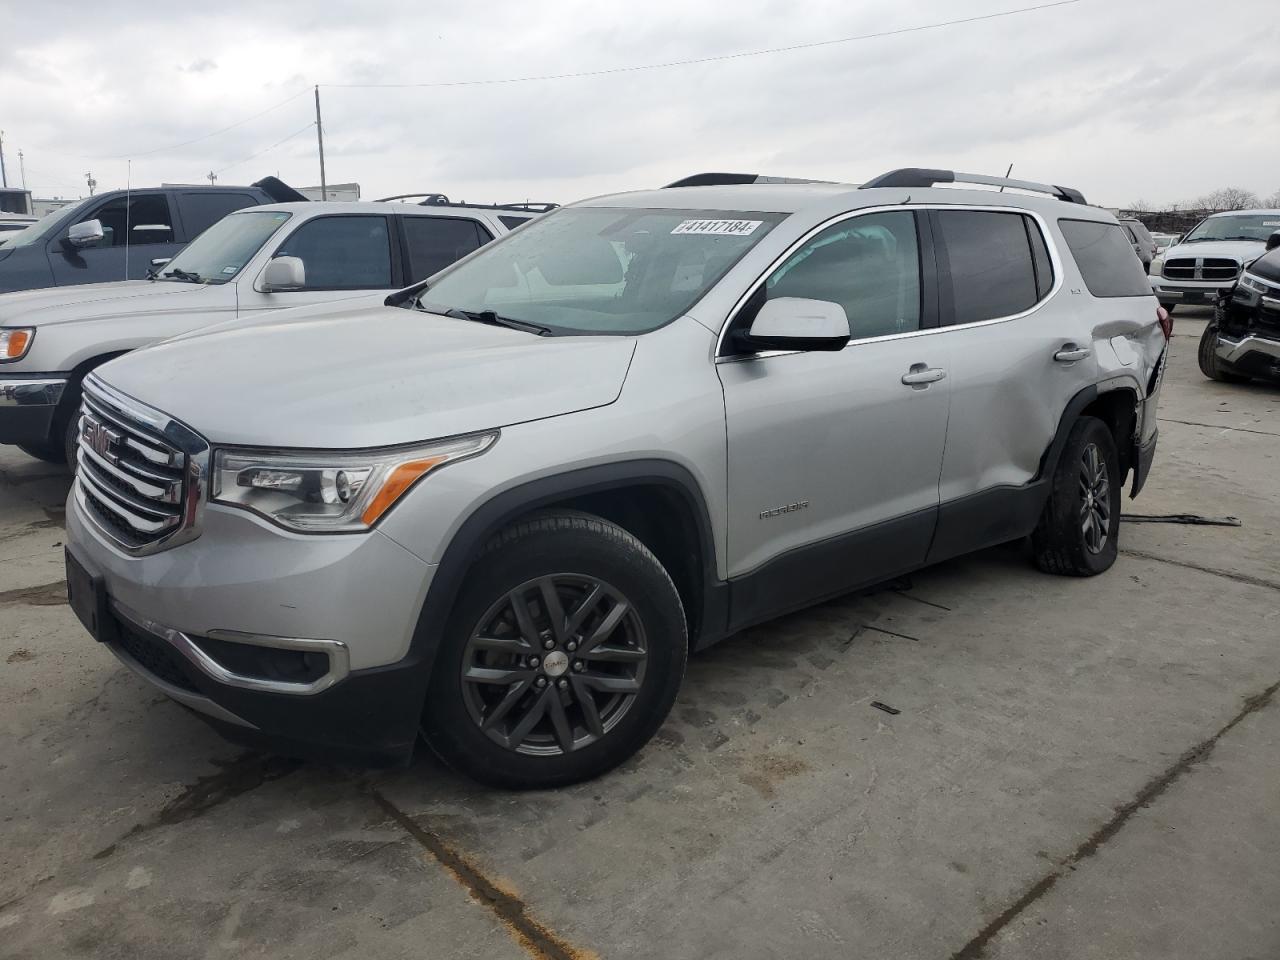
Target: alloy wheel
(553,665)
(1095,499)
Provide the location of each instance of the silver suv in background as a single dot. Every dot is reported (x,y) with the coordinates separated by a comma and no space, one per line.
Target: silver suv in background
(1144,245)
(256,260)
(503,507)
(1206,263)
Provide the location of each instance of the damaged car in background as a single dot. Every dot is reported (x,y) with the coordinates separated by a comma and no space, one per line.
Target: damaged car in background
(1243,340)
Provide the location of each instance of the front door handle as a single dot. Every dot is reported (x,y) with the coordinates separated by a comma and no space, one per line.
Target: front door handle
(921,375)
(1070,353)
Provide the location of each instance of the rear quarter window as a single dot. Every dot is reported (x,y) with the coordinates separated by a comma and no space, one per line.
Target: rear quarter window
(1105,258)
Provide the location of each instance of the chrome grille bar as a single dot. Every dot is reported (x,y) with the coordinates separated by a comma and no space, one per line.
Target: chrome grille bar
(140,475)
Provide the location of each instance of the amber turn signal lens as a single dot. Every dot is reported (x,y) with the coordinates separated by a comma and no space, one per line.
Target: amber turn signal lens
(401,479)
(16,343)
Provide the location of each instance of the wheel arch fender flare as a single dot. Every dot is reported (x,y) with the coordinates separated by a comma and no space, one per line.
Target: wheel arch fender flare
(1074,409)
(502,508)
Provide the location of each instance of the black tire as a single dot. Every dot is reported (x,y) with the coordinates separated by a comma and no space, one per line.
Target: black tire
(1210,364)
(61,447)
(1060,541)
(571,547)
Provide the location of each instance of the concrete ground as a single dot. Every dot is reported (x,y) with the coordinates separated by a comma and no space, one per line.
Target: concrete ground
(1077,769)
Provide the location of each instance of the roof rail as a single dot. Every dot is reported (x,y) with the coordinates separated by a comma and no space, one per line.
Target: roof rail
(919,177)
(721,179)
(439,199)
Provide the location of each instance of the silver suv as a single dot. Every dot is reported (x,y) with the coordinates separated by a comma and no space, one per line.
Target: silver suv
(504,507)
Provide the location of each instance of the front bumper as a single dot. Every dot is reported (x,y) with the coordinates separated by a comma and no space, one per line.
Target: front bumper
(354,598)
(1251,348)
(27,407)
(1189,291)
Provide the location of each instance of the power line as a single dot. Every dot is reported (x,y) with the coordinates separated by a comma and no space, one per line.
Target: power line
(186,143)
(712,59)
(266,149)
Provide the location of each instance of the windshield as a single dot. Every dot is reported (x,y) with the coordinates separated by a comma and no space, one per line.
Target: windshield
(604,270)
(1236,226)
(49,224)
(219,253)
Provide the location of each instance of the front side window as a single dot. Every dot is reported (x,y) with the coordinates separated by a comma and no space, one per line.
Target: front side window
(992,271)
(869,265)
(436,242)
(1105,259)
(602,270)
(342,252)
(1235,226)
(221,252)
(135,220)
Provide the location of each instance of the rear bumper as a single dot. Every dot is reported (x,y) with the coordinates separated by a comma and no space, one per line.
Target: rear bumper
(27,407)
(1142,468)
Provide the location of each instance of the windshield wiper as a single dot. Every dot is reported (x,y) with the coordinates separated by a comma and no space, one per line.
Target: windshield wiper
(497,320)
(179,274)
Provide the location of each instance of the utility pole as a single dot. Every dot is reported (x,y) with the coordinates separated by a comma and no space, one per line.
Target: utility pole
(4,180)
(324,191)
(88,177)
(213,177)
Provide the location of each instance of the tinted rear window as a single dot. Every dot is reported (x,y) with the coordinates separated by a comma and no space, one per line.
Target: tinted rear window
(202,210)
(992,271)
(1106,259)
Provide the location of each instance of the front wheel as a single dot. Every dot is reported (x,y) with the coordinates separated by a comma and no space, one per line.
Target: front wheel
(561,657)
(1079,529)
(1211,365)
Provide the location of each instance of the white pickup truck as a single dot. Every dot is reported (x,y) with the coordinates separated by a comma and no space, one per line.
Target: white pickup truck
(255,260)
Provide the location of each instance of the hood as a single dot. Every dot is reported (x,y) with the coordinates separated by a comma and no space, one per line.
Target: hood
(368,377)
(1240,251)
(96,301)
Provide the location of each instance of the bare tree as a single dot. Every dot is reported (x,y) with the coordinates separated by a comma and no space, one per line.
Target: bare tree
(1139,206)
(1229,198)
(1273,200)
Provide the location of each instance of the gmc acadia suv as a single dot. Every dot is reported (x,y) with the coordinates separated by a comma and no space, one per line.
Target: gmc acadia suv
(505,506)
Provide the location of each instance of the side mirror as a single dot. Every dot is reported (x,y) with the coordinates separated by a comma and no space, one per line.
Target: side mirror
(86,234)
(1273,241)
(796,323)
(284,273)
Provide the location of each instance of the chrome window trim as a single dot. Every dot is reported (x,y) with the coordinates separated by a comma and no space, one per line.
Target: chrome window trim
(1050,243)
(194,447)
(335,650)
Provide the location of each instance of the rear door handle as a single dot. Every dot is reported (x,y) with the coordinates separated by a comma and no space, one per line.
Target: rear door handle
(1070,353)
(921,375)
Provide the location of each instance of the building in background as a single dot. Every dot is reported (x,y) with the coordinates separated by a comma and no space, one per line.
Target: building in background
(333,191)
(13,200)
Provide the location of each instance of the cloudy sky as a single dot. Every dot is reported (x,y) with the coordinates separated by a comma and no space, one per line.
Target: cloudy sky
(1125,99)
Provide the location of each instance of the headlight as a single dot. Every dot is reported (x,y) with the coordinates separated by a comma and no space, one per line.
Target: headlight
(1254,284)
(15,342)
(330,491)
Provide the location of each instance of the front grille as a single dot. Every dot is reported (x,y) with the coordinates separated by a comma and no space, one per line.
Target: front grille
(1219,269)
(1213,269)
(155,656)
(128,477)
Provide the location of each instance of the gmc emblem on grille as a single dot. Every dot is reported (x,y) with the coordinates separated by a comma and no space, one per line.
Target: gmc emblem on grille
(101,439)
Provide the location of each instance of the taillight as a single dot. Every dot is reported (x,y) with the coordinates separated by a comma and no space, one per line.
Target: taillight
(1166,322)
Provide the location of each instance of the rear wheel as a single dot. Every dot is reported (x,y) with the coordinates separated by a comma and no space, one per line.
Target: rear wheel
(1079,529)
(1211,365)
(563,654)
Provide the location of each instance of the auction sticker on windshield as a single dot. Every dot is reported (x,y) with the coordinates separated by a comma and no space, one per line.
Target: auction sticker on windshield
(731,228)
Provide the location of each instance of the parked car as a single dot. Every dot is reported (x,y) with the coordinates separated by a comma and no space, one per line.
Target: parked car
(254,260)
(1163,242)
(1144,245)
(116,235)
(12,224)
(1205,264)
(504,506)
(1243,341)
